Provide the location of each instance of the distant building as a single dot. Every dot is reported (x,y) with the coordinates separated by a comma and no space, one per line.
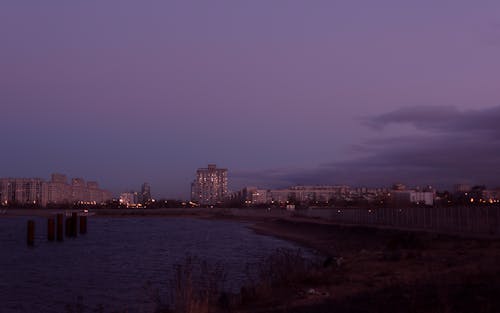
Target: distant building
(320,195)
(461,188)
(97,195)
(309,194)
(36,191)
(398,186)
(128,199)
(23,191)
(145,193)
(138,199)
(79,190)
(210,185)
(407,197)
(59,190)
(253,196)
(491,195)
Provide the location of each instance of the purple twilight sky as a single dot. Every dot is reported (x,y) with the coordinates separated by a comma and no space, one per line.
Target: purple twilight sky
(280,92)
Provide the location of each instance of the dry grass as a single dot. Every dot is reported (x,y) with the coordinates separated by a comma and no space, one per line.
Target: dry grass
(196,286)
(283,275)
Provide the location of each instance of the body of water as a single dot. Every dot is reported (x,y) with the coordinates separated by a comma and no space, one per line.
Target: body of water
(119,263)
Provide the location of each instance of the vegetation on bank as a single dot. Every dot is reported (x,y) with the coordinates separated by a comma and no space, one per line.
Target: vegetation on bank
(287,281)
(200,287)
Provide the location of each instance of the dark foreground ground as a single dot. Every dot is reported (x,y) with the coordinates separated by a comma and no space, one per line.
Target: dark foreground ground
(380,270)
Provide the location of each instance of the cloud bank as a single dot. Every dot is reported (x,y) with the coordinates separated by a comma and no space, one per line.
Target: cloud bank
(448,146)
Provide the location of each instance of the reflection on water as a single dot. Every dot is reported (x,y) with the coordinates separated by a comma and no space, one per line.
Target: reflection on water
(112,265)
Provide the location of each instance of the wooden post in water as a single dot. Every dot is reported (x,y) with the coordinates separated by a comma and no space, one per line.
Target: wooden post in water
(83,224)
(31,233)
(74,224)
(68,226)
(60,222)
(51,229)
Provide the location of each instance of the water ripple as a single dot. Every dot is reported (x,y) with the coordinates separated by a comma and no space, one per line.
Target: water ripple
(112,264)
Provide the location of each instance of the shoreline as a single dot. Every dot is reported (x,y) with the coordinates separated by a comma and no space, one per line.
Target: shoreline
(305,231)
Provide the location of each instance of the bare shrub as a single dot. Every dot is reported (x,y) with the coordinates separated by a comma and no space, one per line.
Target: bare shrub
(196,286)
(282,272)
(285,267)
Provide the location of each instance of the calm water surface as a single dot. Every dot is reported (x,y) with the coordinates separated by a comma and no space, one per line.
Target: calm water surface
(112,265)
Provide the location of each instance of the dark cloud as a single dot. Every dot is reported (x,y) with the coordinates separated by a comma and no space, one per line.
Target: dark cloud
(421,117)
(455,147)
(443,119)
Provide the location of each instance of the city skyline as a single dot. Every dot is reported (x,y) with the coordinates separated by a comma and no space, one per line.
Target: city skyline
(350,93)
(209,187)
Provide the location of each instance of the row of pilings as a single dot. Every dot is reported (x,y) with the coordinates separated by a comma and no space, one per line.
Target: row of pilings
(58,227)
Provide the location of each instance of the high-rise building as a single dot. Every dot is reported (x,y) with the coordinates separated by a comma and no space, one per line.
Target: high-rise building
(210,185)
